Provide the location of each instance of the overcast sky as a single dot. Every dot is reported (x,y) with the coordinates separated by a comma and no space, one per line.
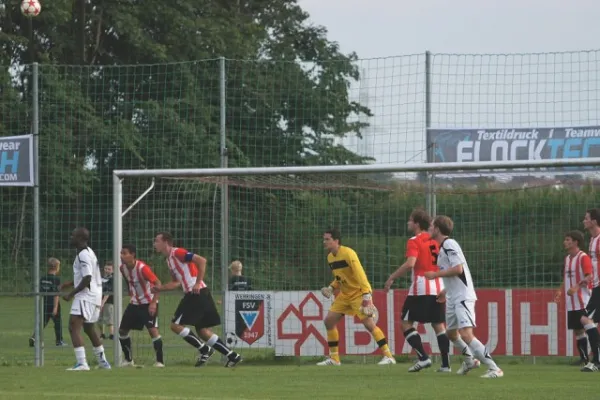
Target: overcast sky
(473,91)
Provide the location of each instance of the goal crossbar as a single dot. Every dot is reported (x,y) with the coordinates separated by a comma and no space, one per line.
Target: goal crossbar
(363,168)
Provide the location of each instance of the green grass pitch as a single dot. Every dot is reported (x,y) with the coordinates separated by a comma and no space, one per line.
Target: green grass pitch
(258,378)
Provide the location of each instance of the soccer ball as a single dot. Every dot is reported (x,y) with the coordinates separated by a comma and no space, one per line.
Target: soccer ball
(231,339)
(31,8)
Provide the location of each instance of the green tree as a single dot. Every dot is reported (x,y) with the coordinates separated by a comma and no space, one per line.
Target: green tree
(121,87)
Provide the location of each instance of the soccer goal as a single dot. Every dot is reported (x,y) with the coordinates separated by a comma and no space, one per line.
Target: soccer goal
(510,218)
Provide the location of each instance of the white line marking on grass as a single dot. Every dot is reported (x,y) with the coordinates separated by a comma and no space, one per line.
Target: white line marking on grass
(112,396)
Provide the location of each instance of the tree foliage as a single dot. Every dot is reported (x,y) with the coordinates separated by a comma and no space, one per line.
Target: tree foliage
(135,84)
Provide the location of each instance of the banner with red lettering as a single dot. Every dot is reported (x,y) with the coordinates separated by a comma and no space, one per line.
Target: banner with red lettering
(509,322)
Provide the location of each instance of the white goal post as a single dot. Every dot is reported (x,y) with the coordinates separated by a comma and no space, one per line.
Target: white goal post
(429,168)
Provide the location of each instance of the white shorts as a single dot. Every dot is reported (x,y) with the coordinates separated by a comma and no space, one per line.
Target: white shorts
(460,315)
(88,310)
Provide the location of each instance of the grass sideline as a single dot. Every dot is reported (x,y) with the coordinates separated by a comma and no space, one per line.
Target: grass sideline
(261,377)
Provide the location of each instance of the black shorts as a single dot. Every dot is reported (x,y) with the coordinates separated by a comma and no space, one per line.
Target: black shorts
(136,317)
(593,306)
(197,310)
(423,309)
(574,319)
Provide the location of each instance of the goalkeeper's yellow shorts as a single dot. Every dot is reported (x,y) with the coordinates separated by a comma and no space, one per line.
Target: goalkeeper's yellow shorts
(348,306)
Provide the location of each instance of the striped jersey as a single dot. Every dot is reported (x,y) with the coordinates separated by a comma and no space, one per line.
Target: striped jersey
(595,255)
(576,268)
(426,251)
(140,280)
(182,269)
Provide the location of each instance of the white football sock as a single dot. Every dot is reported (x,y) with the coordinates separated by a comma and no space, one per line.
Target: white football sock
(462,347)
(481,353)
(80,355)
(99,352)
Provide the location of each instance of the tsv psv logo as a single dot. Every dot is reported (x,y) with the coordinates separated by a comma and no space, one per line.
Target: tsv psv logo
(249,319)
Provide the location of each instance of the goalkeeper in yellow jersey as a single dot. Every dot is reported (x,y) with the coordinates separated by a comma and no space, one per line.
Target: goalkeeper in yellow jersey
(354,298)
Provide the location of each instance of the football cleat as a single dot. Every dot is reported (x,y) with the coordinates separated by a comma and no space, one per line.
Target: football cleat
(493,373)
(387,361)
(445,370)
(589,367)
(466,366)
(126,364)
(159,365)
(419,365)
(103,364)
(79,367)
(232,360)
(329,361)
(204,357)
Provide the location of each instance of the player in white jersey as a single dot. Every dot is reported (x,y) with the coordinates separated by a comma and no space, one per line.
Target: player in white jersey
(142,310)
(591,223)
(460,297)
(197,307)
(87,298)
(576,271)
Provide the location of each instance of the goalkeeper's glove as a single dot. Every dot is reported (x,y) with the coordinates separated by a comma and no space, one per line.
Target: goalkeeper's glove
(367,307)
(327,291)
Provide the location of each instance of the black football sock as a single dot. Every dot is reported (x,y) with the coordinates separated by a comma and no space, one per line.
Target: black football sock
(191,338)
(582,346)
(444,345)
(593,337)
(158,349)
(126,346)
(216,343)
(414,339)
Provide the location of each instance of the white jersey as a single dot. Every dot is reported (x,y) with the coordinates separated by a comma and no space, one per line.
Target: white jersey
(458,288)
(594,255)
(86,264)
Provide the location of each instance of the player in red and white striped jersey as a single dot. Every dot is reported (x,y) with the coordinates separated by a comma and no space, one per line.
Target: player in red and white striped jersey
(142,310)
(422,303)
(576,289)
(197,307)
(591,223)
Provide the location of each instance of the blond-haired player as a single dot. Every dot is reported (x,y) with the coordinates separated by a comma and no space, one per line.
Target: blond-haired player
(460,297)
(354,298)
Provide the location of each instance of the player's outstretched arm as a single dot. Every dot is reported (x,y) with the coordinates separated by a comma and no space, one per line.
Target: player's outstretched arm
(174,284)
(401,271)
(454,271)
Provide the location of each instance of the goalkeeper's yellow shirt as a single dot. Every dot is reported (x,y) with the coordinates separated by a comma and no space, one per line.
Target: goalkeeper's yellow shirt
(348,273)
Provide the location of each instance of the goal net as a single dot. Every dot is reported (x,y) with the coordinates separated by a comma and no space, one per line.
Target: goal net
(510,223)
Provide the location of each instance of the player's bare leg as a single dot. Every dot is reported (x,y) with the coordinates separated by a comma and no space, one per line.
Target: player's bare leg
(480,352)
(469,362)
(333,339)
(90,331)
(126,347)
(215,342)
(414,339)
(379,336)
(594,337)
(75,326)
(186,333)
(157,343)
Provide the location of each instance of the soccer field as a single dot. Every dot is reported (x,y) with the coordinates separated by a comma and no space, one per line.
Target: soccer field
(256,378)
(294,382)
